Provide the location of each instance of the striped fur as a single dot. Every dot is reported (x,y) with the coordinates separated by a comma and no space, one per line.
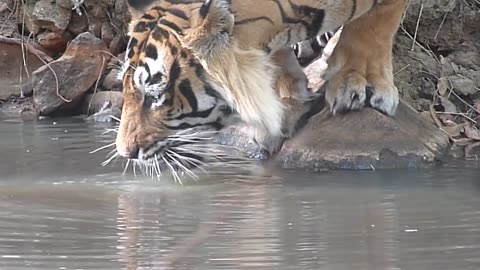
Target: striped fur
(206,63)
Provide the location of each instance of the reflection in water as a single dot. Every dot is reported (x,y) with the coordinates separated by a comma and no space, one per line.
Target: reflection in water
(60,210)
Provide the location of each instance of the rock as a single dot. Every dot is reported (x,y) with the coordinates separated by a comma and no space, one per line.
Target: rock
(30,25)
(54,41)
(48,15)
(77,70)
(118,44)
(93,103)
(8,27)
(66,4)
(238,136)
(78,24)
(463,85)
(95,27)
(107,33)
(365,140)
(12,82)
(111,81)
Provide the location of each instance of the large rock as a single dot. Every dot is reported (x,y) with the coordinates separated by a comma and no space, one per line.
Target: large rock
(47,14)
(94,103)
(14,80)
(365,140)
(77,70)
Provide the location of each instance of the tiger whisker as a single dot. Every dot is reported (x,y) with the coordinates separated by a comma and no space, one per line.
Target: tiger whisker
(174,173)
(194,162)
(126,166)
(106,162)
(115,118)
(102,147)
(110,130)
(135,163)
(189,172)
(157,167)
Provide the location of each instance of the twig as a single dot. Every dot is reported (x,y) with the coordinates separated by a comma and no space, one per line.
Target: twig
(416,27)
(96,85)
(402,69)
(460,114)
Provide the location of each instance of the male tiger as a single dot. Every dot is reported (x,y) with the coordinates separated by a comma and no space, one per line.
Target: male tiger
(196,65)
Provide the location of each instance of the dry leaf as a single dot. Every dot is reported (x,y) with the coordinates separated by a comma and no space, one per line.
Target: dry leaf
(455,131)
(472,133)
(447,119)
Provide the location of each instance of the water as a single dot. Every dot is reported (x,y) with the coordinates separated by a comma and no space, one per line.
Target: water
(59,209)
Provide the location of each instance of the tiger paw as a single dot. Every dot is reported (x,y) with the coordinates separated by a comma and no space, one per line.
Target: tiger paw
(352,91)
(360,69)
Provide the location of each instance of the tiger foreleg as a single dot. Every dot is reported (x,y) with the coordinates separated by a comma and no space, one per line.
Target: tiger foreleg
(291,87)
(361,63)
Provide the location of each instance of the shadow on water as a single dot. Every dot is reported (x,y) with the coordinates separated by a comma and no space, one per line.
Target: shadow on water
(59,209)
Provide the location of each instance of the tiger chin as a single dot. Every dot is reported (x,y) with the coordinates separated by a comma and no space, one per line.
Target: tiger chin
(195,67)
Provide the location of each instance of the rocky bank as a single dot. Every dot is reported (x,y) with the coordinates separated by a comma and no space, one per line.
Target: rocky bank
(61,58)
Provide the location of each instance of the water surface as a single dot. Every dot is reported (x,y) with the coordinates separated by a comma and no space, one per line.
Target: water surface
(59,209)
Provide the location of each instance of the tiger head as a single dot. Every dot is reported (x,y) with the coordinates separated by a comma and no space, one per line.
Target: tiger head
(167,91)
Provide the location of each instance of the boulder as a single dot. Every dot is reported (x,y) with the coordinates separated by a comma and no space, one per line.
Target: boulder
(93,103)
(48,15)
(103,106)
(366,139)
(112,81)
(77,70)
(14,80)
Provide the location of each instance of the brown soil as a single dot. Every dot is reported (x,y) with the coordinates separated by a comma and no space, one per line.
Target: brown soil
(446,43)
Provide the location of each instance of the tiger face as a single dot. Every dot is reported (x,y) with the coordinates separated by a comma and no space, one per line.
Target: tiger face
(167,92)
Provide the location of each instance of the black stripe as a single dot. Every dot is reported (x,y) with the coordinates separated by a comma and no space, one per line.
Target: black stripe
(217,125)
(185,88)
(250,20)
(315,15)
(159,34)
(197,114)
(179,13)
(170,24)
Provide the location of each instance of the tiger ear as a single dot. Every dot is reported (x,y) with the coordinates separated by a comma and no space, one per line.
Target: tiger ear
(210,28)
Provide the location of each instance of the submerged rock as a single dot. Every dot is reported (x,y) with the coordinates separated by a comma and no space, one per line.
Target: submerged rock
(77,70)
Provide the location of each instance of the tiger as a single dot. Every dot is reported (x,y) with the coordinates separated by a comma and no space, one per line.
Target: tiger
(195,66)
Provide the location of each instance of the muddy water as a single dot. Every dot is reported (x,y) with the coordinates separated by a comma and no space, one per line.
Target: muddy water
(60,210)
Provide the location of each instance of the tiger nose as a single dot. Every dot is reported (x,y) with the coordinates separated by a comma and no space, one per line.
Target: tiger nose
(131,152)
